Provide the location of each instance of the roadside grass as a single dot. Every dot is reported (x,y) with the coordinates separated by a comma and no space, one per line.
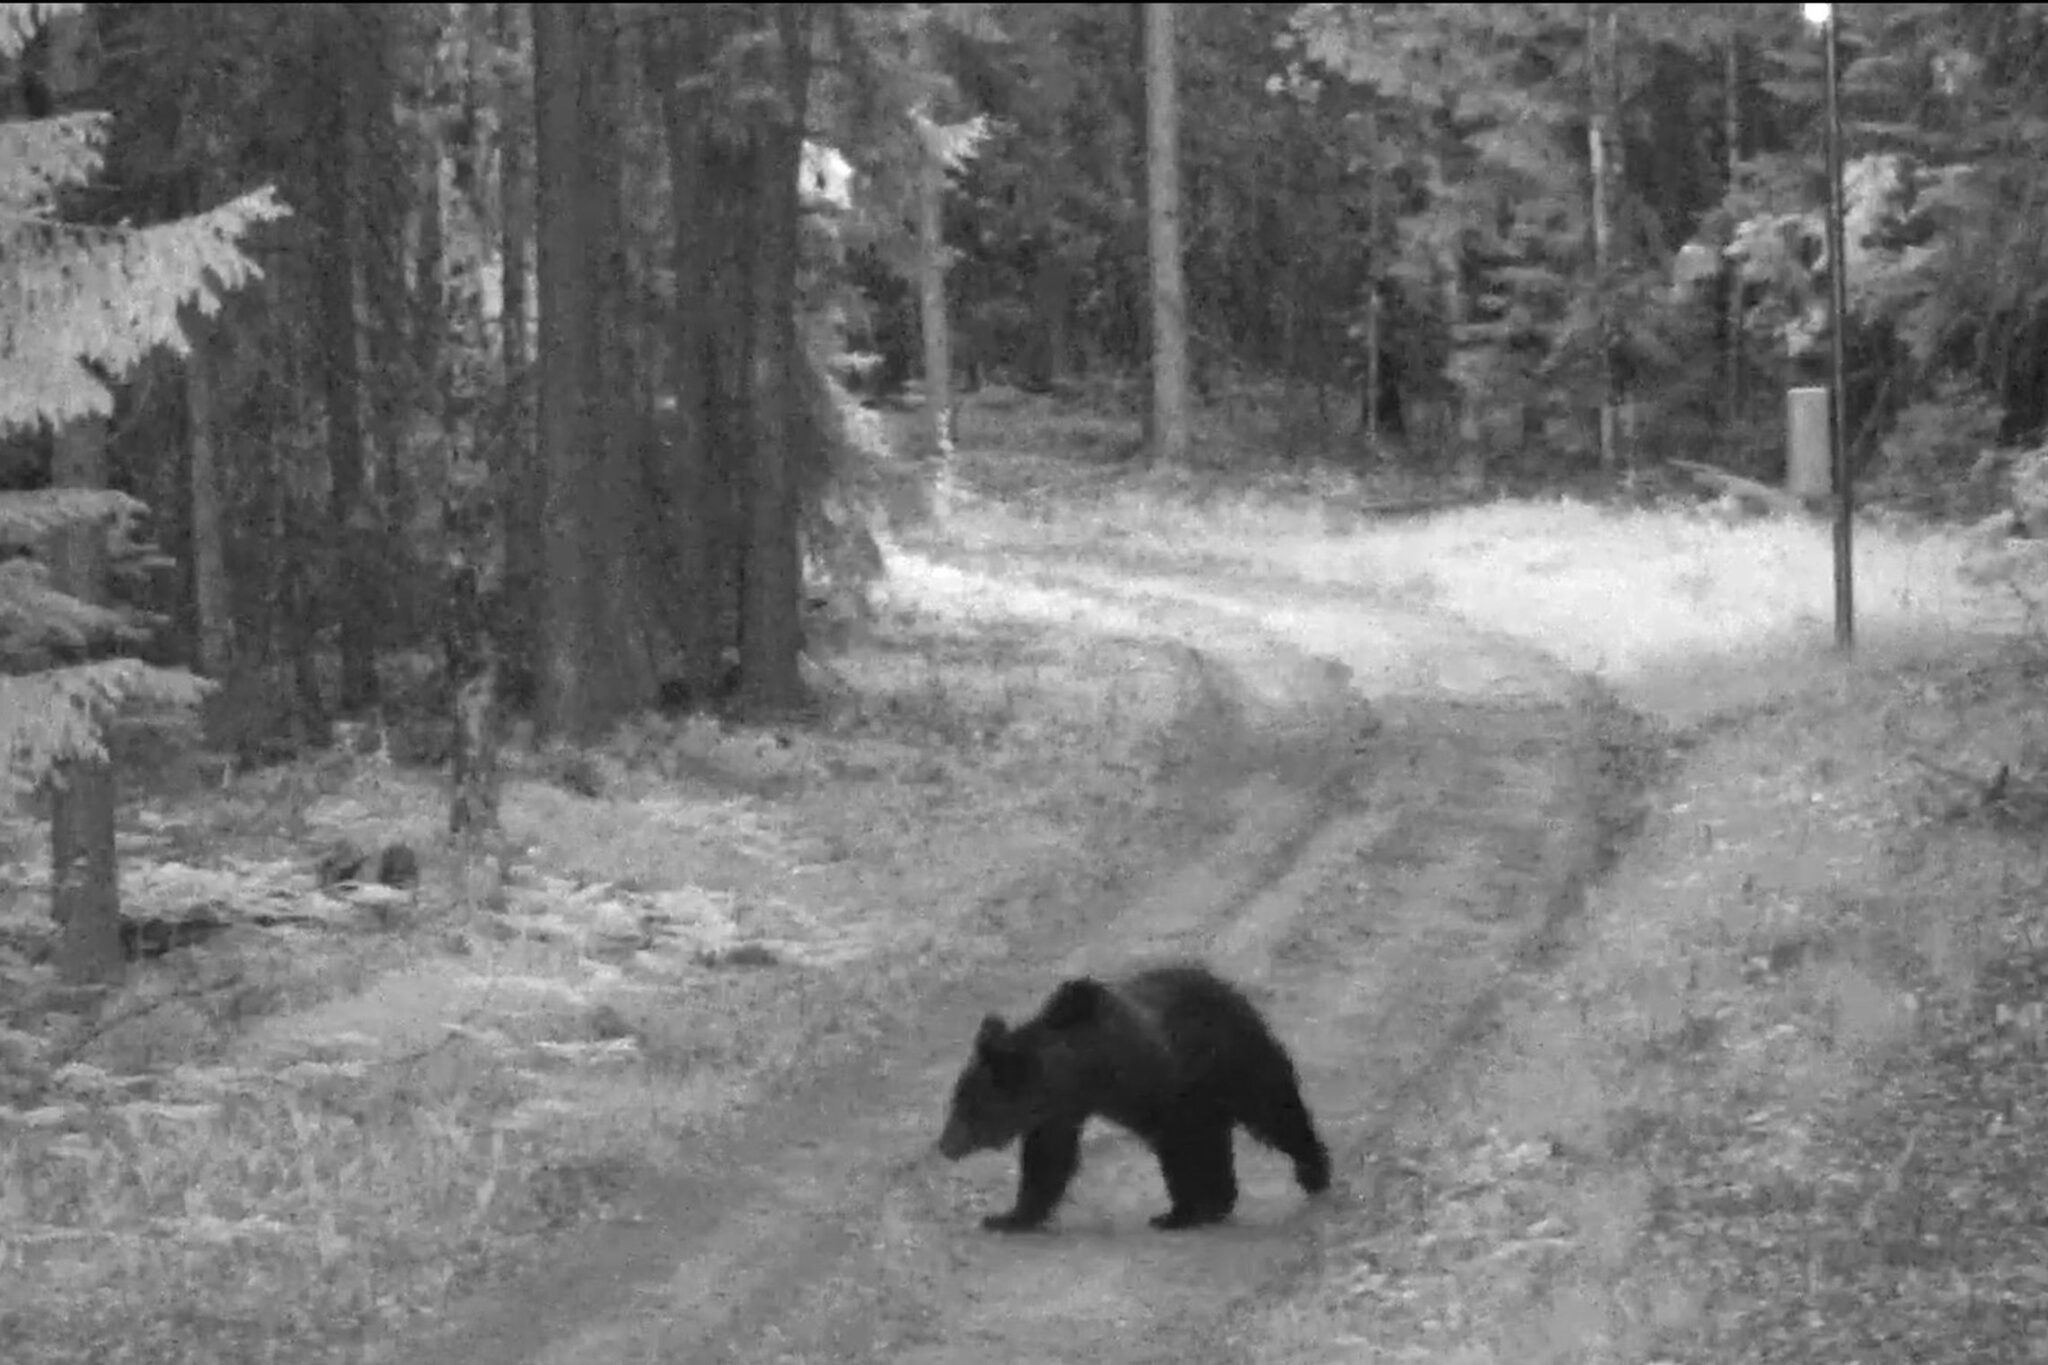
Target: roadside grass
(291,1140)
(1625,594)
(1781,1101)
(1777,1103)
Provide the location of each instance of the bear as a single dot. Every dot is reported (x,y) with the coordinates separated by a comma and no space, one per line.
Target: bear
(1174,1054)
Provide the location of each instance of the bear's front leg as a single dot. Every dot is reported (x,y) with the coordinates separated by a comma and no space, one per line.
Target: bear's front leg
(1051,1156)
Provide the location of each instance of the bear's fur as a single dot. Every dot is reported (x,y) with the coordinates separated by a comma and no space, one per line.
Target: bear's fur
(1174,1054)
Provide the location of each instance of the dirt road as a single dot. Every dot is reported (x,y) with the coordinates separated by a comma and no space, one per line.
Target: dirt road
(1380,842)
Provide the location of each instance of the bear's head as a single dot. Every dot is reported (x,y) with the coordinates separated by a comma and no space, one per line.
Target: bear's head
(1020,1078)
(1000,1096)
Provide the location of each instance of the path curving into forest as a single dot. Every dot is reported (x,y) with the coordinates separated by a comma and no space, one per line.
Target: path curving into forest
(1397,814)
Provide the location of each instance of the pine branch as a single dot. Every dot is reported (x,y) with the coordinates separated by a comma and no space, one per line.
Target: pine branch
(55,716)
(112,302)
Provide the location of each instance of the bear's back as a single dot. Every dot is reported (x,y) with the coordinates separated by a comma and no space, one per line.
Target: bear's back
(1203,1039)
(1186,1005)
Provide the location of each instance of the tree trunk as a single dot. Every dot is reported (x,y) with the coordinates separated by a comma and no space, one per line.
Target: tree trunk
(1619,398)
(1053,301)
(729,212)
(1732,129)
(771,601)
(1136,242)
(1600,44)
(696,521)
(934,318)
(516,474)
(1375,211)
(430,294)
(1461,429)
(337,196)
(84,883)
(312,721)
(567,702)
(210,592)
(84,887)
(85,896)
(622,676)
(472,669)
(932,311)
(388,380)
(1162,195)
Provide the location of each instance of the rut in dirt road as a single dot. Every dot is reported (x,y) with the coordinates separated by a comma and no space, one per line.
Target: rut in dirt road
(1370,897)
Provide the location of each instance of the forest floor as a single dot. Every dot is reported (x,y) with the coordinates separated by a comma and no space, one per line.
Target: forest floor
(1666,987)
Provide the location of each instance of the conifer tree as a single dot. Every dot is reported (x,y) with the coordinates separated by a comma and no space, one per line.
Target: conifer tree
(80,306)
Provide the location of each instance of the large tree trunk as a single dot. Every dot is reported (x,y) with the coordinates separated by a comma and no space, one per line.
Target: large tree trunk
(389,383)
(771,600)
(84,883)
(697,519)
(623,678)
(84,889)
(85,895)
(730,217)
(430,294)
(210,594)
(516,473)
(472,663)
(1169,295)
(568,698)
(338,198)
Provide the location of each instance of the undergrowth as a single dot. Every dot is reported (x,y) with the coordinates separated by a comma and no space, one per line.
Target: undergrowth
(294,1138)
(1775,1104)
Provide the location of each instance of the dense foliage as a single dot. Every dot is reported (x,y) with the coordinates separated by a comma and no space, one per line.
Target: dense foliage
(538,365)
(1499,218)
(83,304)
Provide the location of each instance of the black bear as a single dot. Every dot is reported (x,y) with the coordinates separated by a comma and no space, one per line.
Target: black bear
(1174,1054)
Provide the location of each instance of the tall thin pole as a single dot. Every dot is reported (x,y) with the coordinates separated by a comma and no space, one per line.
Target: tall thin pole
(1845,501)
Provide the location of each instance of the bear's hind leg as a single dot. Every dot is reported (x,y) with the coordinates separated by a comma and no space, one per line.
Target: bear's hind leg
(1050,1158)
(1283,1123)
(1200,1177)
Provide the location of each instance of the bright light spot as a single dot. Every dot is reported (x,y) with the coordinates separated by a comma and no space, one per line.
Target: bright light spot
(1818,15)
(825,176)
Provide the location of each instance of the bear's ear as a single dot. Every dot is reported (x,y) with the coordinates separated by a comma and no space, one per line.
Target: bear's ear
(1075,1003)
(999,1057)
